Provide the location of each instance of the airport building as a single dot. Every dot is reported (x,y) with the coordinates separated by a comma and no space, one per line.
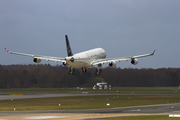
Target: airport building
(101,86)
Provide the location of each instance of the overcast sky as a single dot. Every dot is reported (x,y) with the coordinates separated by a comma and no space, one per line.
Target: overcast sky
(122,27)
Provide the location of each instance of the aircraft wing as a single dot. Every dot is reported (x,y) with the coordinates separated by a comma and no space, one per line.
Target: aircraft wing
(47,58)
(102,61)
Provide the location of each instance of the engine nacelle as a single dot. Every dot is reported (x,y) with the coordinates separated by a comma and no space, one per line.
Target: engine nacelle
(69,59)
(65,64)
(134,61)
(36,60)
(112,64)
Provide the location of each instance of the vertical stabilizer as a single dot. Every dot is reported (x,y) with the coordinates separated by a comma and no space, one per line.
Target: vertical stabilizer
(68,47)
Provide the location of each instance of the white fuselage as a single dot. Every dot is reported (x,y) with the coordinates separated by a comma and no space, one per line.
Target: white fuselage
(86,58)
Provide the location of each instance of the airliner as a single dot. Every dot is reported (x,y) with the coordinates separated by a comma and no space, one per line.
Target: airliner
(84,59)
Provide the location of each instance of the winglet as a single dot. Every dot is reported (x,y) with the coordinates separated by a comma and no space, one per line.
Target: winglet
(153,52)
(6,50)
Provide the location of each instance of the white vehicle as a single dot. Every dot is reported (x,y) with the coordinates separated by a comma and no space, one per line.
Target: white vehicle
(83,59)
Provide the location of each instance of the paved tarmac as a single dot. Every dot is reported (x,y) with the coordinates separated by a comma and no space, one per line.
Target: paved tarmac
(161,109)
(9,95)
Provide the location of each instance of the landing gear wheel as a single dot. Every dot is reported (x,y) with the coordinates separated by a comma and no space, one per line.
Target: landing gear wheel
(84,70)
(71,71)
(98,71)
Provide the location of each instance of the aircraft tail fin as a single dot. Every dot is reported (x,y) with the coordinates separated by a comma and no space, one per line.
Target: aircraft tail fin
(68,47)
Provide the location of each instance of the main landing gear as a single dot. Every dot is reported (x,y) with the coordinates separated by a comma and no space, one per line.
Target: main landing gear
(98,70)
(84,70)
(71,71)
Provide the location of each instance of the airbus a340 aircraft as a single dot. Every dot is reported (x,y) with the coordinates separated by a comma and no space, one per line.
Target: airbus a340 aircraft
(83,59)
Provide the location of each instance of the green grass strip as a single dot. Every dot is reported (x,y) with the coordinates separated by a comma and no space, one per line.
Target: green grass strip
(84,102)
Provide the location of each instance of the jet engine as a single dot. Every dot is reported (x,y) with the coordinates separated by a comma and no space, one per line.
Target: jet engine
(134,61)
(70,59)
(36,60)
(65,64)
(112,64)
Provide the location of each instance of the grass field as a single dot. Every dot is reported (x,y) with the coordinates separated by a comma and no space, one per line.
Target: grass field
(84,102)
(142,96)
(90,89)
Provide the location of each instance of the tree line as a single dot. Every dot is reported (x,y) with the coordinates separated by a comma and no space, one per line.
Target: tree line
(47,76)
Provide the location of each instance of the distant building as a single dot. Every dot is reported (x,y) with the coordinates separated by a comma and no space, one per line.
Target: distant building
(101,86)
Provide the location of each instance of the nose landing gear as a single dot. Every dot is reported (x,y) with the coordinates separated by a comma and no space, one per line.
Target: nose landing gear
(84,70)
(71,71)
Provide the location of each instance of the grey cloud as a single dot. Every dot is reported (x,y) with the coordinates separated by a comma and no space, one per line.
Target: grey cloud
(122,28)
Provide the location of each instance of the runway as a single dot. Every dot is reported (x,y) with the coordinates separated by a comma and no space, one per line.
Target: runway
(162,109)
(7,96)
